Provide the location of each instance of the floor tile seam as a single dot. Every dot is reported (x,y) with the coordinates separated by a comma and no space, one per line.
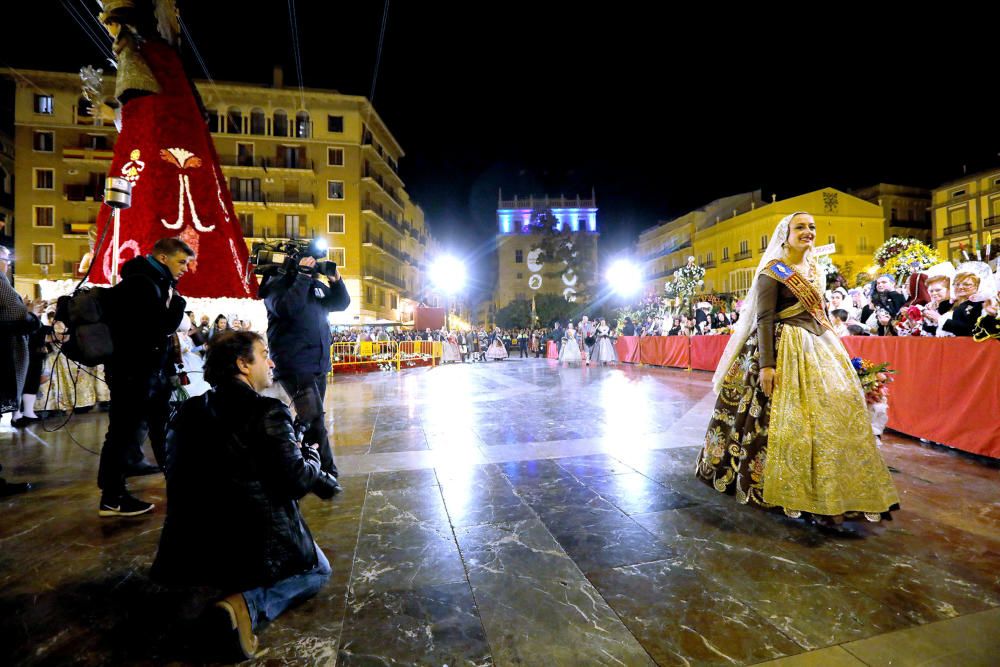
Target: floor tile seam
(921,626)
(354,560)
(465,568)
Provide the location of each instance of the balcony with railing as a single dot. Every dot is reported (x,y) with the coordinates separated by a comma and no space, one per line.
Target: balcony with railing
(382,213)
(297,199)
(88,154)
(243,161)
(370,175)
(963,228)
(368,142)
(667,251)
(288,162)
(709,264)
(992,221)
(740,256)
(82,192)
(372,241)
(374,273)
(76,229)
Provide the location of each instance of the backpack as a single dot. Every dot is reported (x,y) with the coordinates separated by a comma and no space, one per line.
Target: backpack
(86,316)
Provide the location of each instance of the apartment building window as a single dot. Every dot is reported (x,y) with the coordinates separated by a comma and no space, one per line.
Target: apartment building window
(519,256)
(43,142)
(258,121)
(234,121)
(245,189)
(381,298)
(744,247)
(893,214)
(43,104)
(863,244)
(246,225)
(213,120)
(763,242)
(831,239)
(725,254)
(95,142)
(394,300)
(334,123)
(280,124)
(520,276)
(43,254)
(955,194)
(302,125)
(45,216)
(244,154)
(98,179)
(338,255)
(334,189)
(334,223)
(709,258)
(334,157)
(45,179)
(369,294)
(295,226)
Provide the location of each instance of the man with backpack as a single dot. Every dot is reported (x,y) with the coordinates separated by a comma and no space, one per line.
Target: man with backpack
(145,310)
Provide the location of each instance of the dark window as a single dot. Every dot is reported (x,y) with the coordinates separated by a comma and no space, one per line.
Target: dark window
(246,225)
(43,142)
(44,179)
(519,256)
(335,123)
(335,157)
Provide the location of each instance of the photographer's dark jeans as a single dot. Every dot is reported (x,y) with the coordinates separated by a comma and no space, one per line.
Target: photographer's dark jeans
(307,393)
(266,604)
(138,405)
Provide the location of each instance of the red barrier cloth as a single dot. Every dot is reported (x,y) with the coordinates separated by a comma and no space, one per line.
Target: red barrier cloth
(627,348)
(946,390)
(551,351)
(672,351)
(706,351)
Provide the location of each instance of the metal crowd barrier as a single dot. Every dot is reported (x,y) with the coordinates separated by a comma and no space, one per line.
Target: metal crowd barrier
(380,353)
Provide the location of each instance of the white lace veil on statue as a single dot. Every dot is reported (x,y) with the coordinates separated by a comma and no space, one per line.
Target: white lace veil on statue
(747,322)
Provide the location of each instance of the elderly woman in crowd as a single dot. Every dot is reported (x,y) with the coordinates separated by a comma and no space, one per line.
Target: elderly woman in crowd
(939,291)
(965,308)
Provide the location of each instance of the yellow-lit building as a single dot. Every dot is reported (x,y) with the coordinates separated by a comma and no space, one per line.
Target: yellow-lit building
(966,211)
(665,248)
(521,273)
(730,247)
(906,209)
(300,164)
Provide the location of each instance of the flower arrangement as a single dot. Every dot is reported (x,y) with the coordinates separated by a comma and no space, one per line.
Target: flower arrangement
(875,379)
(901,257)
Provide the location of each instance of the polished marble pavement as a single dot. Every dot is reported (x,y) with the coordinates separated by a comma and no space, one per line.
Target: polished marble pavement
(520,513)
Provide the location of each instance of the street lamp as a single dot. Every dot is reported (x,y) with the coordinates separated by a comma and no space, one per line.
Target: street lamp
(448,276)
(624,277)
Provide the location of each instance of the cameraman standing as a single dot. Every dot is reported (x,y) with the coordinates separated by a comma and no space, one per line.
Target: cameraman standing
(298,334)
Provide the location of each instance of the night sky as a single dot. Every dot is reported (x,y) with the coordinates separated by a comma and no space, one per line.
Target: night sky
(659,112)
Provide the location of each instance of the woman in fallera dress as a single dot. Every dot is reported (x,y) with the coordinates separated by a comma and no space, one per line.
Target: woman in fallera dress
(604,350)
(569,353)
(497,350)
(790,431)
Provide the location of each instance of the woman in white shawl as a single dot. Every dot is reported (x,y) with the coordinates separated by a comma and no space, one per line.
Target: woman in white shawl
(790,430)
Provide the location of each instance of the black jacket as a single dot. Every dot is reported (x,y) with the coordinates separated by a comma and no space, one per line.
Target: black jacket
(963,319)
(891,301)
(298,332)
(628,329)
(235,472)
(141,321)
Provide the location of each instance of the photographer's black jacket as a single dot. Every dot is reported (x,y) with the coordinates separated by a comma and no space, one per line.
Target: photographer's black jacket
(235,472)
(141,321)
(298,333)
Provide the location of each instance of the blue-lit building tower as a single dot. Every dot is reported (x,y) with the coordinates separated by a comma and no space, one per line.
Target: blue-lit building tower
(520,273)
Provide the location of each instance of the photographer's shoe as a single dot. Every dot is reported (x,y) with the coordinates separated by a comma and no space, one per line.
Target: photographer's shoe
(235,620)
(142,468)
(124,505)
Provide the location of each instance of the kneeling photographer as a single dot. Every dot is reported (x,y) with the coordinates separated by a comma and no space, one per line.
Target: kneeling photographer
(298,302)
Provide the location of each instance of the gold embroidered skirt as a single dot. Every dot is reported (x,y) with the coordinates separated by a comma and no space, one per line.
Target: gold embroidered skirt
(810,447)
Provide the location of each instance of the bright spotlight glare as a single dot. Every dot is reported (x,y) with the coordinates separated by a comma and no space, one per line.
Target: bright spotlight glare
(448,274)
(625,277)
(321,244)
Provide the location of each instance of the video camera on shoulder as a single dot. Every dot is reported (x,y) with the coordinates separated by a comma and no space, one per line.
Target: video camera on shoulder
(272,256)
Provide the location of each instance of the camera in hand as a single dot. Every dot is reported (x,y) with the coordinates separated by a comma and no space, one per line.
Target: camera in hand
(285,255)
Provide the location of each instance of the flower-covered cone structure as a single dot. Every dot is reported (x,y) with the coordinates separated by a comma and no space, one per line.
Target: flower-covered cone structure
(166,151)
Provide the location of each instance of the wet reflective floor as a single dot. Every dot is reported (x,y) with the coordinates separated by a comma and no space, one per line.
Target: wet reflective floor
(519,513)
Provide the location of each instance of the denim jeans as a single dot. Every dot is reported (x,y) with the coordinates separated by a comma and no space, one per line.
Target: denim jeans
(267,604)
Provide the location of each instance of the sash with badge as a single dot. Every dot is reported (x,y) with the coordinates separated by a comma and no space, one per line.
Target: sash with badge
(801,288)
